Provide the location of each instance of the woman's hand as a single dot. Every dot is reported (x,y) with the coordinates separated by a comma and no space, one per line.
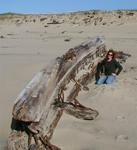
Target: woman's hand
(114,74)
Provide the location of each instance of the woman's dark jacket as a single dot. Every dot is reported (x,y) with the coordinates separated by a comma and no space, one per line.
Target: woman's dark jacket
(108,67)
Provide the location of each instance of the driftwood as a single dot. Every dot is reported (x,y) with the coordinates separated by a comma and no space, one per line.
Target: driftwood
(52,92)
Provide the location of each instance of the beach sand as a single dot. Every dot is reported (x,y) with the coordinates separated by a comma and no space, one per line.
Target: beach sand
(28,46)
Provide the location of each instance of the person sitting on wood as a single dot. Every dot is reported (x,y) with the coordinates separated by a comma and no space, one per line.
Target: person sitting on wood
(107,69)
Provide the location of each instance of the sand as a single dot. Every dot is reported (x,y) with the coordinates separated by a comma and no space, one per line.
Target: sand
(28,46)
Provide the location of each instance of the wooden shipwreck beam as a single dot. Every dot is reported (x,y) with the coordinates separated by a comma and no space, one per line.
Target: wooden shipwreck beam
(53,91)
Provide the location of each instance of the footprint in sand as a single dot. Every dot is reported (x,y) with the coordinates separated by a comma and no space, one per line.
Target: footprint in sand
(67,39)
(63,32)
(80,32)
(101,132)
(2,37)
(120,117)
(121,137)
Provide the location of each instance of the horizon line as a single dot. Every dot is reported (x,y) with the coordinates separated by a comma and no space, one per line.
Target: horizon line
(64,12)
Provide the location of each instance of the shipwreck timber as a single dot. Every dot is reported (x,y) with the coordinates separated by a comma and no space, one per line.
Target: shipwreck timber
(53,91)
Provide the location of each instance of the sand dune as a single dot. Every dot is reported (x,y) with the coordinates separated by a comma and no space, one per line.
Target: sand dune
(29,42)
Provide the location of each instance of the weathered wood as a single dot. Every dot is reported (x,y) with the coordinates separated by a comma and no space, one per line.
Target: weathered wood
(51,92)
(31,102)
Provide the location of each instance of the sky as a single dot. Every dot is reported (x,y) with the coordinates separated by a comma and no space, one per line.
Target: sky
(59,6)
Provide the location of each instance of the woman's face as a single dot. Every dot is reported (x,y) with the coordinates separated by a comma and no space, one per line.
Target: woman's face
(110,56)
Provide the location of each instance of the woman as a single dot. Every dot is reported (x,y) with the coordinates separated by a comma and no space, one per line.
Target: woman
(108,69)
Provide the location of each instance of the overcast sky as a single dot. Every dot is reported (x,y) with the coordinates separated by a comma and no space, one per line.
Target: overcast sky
(58,6)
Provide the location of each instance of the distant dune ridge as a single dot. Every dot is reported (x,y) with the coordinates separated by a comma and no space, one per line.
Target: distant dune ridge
(86,17)
(29,42)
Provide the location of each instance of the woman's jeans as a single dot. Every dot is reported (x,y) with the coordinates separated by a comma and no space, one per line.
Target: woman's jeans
(106,79)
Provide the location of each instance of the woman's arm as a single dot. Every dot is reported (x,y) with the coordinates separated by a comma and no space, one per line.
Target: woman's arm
(99,70)
(119,67)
